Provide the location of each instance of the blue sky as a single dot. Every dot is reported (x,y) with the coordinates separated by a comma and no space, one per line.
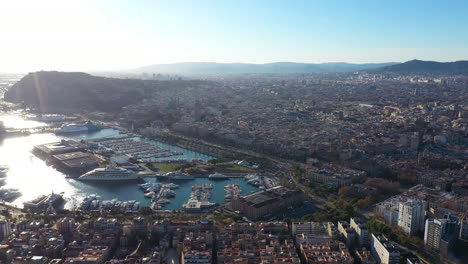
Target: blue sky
(100,34)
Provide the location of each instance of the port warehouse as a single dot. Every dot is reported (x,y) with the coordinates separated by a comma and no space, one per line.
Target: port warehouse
(267,202)
(67,156)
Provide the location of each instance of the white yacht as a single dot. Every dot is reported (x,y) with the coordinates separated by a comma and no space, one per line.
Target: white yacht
(110,173)
(218,176)
(177,175)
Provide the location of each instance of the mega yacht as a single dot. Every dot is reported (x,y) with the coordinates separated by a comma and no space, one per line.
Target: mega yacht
(218,176)
(75,128)
(110,173)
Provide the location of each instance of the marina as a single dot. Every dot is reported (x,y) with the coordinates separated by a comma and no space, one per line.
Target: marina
(143,151)
(253,180)
(92,203)
(23,166)
(159,193)
(176,175)
(232,192)
(199,198)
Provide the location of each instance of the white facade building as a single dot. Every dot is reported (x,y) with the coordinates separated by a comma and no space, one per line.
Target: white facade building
(411,216)
(361,230)
(384,251)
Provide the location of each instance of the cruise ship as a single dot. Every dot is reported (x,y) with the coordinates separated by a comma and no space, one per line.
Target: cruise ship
(217,176)
(76,128)
(110,173)
(177,175)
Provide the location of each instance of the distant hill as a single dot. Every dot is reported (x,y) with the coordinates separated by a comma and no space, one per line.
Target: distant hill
(418,66)
(237,68)
(73,91)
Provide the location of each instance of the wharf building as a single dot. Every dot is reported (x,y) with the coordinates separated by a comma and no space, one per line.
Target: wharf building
(267,202)
(45,151)
(67,156)
(75,162)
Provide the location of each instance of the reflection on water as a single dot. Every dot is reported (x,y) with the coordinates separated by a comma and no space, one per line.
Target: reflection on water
(33,177)
(27,172)
(16,122)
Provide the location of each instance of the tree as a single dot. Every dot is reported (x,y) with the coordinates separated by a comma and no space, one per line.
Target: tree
(344,191)
(213,161)
(383,186)
(145,210)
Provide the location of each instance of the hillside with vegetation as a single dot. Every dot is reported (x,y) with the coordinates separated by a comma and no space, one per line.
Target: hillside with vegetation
(51,91)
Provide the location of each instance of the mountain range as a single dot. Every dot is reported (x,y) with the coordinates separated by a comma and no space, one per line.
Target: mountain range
(418,66)
(413,66)
(276,67)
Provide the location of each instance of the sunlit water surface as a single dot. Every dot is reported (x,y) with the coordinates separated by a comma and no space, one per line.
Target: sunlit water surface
(33,177)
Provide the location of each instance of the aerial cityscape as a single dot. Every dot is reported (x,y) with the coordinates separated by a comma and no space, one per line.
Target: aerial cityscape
(124,140)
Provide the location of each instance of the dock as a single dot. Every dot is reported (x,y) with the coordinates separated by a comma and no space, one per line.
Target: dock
(199,198)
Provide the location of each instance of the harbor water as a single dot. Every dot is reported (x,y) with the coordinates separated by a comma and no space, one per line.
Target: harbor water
(33,177)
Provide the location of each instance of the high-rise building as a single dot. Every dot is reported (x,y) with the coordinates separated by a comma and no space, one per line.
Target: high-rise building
(347,233)
(361,230)
(440,234)
(5,229)
(383,250)
(414,141)
(66,225)
(411,216)
(464,227)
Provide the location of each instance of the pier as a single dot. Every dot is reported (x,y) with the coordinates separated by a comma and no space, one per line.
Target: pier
(142,151)
(199,198)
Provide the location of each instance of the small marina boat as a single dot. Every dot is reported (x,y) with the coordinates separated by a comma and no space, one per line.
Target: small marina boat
(164,201)
(150,194)
(170,194)
(172,185)
(217,176)
(177,175)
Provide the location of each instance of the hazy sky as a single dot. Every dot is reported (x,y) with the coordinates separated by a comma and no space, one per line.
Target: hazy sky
(108,35)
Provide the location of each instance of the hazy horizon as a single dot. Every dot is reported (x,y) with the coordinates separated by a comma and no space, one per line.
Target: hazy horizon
(119,35)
